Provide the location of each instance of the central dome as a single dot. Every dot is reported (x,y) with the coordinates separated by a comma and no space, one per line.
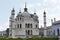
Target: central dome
(25,14)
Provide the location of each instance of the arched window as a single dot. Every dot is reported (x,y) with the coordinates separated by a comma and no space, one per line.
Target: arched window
(28,32)
(20,18)
(17,25)
(54,32)
(20,25)
(36,26)
(58,32)
(31,25)
(31,32)
(26,25)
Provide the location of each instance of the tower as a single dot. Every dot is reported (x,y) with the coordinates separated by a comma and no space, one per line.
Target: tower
(11,22)
(54,19)
(51,21)
(45,31)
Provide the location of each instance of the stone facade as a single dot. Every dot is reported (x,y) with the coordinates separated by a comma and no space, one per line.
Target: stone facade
(23,25)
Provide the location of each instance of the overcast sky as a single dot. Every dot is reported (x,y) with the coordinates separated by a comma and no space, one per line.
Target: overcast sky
(52,8)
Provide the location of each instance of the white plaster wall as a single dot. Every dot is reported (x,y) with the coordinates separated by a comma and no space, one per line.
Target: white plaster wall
(55,27)
(21,31)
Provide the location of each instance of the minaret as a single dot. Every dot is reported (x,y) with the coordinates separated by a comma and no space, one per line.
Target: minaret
(11,22)
(25,9)
(54,19)
(45,31)
(51,21)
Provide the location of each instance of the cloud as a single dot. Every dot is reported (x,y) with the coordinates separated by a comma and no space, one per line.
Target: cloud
(33,5)
(4,26)
(52,8)
(54,1)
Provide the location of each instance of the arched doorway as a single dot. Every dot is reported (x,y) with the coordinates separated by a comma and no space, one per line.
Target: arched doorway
(28,32)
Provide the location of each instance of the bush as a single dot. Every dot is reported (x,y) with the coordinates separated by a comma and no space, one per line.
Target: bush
(3,37)
(15,39)
(33,38)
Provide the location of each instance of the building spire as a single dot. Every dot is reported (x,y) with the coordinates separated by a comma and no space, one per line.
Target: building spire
(25,9)
(25,4)
(13,10)
(34,11)
(44,12)
(20,10)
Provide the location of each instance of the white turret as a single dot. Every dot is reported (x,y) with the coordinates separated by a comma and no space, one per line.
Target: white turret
(11,22)
(12,14)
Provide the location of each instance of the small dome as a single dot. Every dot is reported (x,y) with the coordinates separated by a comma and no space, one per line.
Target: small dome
(35,15)
(24,14)
(13,10)
(19,15)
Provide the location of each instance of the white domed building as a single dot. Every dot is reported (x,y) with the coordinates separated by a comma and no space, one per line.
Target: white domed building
(23,25)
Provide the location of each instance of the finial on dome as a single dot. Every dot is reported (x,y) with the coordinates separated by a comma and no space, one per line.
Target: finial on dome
(44,12)
(20,10)
(34,11)
(25,9)
(13,10)
(25,4)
